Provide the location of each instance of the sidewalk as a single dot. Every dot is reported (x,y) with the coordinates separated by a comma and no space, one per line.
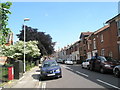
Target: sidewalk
(30,79)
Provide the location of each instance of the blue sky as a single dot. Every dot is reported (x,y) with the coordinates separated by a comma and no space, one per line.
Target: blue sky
(64,21)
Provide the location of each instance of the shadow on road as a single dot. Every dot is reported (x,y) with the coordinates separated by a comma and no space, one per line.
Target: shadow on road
(94,76)
(36,76)
(49,79)
(37,70)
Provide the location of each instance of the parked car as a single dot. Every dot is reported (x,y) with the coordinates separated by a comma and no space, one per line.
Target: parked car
(85,64)
(102,64)
(116,71)
(50,68)
(60,61)
(70,62)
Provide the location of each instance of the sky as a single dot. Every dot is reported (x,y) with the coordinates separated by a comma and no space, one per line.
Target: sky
(64,21)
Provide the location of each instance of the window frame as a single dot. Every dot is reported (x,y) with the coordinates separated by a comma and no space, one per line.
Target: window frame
(101,38)
(94,43)
(102,52)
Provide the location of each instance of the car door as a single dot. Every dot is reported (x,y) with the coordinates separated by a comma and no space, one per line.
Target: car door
(97,63)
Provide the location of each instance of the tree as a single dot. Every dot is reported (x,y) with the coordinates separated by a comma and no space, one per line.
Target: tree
(45,43)
(16,51)
(4,11)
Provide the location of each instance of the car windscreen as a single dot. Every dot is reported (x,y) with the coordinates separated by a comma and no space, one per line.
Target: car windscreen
(110,59)
(50,64)
(101,58)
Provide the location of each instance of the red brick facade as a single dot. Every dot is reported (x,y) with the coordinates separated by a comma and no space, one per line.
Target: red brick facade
(105,41)
(83,45)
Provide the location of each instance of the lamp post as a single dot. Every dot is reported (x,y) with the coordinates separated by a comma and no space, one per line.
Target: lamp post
(25,19)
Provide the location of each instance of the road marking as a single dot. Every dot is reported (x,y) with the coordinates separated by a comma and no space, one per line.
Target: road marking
(39,85)
(108,84)
(67,67)
(82,73)
(63,66)
(43,85)
(70,69)
(21,78)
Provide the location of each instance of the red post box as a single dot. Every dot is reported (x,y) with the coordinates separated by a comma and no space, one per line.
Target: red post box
(10,73)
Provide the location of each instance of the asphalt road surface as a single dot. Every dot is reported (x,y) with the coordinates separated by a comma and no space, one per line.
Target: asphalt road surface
(73,76)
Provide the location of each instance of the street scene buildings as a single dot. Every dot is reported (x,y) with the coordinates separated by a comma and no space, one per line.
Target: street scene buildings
(35,61)
(104,41)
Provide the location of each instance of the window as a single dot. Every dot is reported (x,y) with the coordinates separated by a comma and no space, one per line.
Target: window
(102,52)
(88,45)
(101,37)
(118,24)
(94,43)
(110,54)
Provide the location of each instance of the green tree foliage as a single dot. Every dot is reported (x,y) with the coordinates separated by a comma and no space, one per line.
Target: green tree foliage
(4,11)
(45,43)
(16,51)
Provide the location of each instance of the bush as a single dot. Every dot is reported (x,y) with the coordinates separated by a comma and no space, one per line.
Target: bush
(29,65)
(4,73)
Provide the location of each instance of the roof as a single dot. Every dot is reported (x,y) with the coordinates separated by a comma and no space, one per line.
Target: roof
(85,33)
(116,17)
(101,29)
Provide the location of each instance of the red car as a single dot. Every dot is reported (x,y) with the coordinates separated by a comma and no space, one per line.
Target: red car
(102,64)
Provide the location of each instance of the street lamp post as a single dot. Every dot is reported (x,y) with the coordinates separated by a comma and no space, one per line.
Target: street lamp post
(25,19)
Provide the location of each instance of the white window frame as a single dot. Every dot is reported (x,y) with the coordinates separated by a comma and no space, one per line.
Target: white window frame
(101,37)
(94,43)
(102,52)
(110,54)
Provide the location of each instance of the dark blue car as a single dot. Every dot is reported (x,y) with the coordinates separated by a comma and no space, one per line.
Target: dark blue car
(50,68)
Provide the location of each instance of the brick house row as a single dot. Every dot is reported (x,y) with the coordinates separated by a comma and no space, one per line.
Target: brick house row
(104,41)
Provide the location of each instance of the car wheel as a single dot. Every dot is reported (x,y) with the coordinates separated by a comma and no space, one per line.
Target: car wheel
(102,70)
(117,73)
(82,66)
(91,68)
(42,78)
(61,76)
(88,67)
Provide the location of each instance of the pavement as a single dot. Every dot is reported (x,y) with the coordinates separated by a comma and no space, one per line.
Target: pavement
(30,79)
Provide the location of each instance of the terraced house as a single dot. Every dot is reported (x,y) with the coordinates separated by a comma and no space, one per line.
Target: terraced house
(106,40)
(83,45)
(115,36)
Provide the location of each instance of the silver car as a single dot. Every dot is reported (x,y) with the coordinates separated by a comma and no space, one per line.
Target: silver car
(116,71)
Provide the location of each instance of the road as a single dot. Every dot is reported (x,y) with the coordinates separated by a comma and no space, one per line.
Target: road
(73,76)
(76,77)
